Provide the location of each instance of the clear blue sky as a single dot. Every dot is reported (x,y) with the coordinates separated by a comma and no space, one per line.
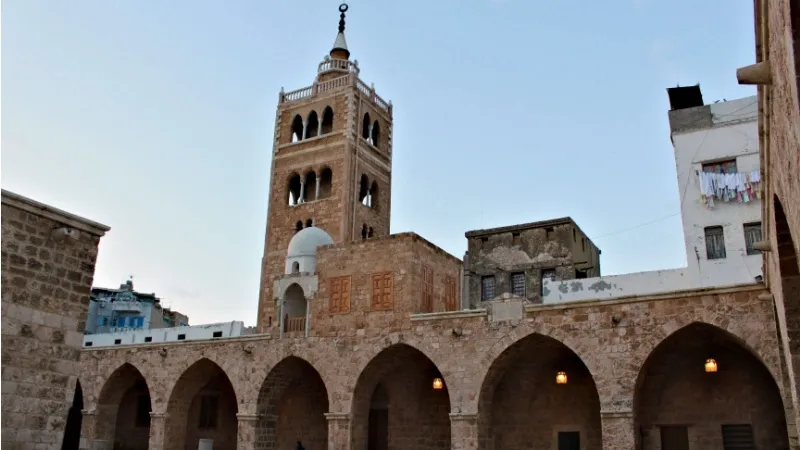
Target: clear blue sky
(156,118)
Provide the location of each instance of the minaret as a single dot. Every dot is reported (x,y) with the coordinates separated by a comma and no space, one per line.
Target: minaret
(331,164)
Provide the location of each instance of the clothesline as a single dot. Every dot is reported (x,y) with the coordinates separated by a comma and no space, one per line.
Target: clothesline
(740,187)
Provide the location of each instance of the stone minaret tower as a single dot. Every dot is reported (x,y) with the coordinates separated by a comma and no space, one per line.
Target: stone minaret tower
(331,164)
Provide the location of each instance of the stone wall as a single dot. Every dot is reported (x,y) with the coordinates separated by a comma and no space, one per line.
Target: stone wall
(605,344)
(46,279)
(779,132)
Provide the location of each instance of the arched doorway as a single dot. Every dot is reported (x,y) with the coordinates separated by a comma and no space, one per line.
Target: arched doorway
(401,401)
(539,394)
(202,406)
(295,307)
(123,410)
(292,404)
(681,401)
(72,431)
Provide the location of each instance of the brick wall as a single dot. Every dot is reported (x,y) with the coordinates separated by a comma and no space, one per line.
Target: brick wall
(46,281)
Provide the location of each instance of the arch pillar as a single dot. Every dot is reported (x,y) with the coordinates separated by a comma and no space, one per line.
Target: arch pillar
(463,431)
(619,431)
(158,427)
(338,430)
(246,430)
(88,428)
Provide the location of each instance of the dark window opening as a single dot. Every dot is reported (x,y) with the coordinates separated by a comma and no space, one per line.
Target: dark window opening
(117,341)
(148,339)
(143,409)
(295,267)
(518,284)
(181,337)
(738,437)
(310,189)
(364,231)
(373,195)
(569,440)
(370,233)
(312,126)
(363,190)
(217,334)
(365,126)
(327,120)
(752,234)
(295,185)
(325,183)
(208,412)
(88,344)
(715,243)
(487,288)
(581,274)
(375,134)
(515,238)
(297,129)
(547,274)
(309,223)
(549,233)
(298,226)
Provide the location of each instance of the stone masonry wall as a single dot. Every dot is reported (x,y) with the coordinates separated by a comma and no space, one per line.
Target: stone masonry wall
(46,281)
(612,339)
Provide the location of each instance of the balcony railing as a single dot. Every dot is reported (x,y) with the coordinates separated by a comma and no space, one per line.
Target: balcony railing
(338,65)
(351,79)
(294,324)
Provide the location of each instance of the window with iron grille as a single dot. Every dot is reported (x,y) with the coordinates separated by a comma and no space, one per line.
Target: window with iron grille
(715,243)
(487,288)
(518,284)
(738,437)
(752,234)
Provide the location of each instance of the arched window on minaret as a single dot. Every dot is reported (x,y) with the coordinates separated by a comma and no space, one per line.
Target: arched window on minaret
(295,188)
(311,187)
(363,191)
(325,183)
(298,226)
(364,231)
(373,195)
(312,125)
(365,127)
(376,133)
(297,129)
(327,120)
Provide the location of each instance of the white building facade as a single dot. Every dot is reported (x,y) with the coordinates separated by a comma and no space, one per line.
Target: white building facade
(719,183)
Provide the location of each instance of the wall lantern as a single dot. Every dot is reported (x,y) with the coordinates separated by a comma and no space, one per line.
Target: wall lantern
(561,378)
(711,366)
(438,384)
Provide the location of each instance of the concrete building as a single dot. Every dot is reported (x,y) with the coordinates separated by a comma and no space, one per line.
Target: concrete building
(517,259)
(48,260)
(776,73)
(719,182)
(381,358)
(124,309)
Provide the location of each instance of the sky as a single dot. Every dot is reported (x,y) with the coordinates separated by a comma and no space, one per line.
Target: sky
(156,118)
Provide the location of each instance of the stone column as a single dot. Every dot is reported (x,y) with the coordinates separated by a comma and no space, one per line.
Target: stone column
(305,129)
(619,432)
(88,427)
(338,431)
(302,198)
(319,126)
(246,435)
(316,194)
(464,431)
(158,428)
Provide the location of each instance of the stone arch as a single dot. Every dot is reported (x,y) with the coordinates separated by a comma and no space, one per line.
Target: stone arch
(123,409)
(295,308)
(312,125)
(409,409)
(72,429)
(297,129)
(789,280)
(327,120)
(325,183)
(293,189)
(375,133)
(373,195)
(549,388)
(291,406)
(202,405)
(363,190)
(674,388)
(366,124)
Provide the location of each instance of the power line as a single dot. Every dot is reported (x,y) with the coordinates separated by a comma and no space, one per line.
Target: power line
(635,226)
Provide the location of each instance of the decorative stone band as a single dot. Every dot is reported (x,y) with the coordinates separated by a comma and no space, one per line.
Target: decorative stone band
(247,417)
(157,415)
(455,417)
(616,414)
(337,416)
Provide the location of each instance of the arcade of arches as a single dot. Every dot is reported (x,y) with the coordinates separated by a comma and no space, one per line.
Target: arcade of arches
(537,393)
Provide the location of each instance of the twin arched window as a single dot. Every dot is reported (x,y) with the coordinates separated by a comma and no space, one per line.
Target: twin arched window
(371,130)
(312,126)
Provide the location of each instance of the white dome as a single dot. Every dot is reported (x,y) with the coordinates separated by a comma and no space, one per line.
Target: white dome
(306,241)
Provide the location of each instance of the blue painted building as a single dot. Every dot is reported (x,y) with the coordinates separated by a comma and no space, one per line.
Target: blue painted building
(124,309)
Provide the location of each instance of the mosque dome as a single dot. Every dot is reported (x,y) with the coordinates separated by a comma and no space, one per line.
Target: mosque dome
(306,241)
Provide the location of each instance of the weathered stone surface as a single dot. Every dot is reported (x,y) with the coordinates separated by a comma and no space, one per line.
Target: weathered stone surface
(46,280)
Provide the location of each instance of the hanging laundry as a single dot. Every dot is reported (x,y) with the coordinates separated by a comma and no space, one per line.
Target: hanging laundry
(739,187)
